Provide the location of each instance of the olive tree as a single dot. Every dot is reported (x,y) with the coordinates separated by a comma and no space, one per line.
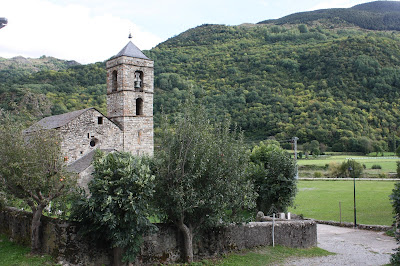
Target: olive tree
(201,174)
(32,169)
(274,175)
(118,206)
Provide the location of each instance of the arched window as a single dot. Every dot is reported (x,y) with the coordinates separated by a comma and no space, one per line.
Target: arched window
(139,106)
(114,80)
(138,80)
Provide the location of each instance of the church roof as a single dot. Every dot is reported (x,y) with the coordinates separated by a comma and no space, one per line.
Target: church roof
(131,50)
(83,163)
(56,121)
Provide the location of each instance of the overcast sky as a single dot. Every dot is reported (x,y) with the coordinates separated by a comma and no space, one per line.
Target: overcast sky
(89,31)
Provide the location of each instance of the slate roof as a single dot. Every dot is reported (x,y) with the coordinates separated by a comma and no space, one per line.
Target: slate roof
(56,121)
(83,163)
(131,50)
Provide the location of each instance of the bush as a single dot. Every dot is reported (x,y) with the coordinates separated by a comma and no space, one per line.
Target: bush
(382,175)
(118,209)
(317,174)
(376,166)
(398,169)
(395,200)
(343,170)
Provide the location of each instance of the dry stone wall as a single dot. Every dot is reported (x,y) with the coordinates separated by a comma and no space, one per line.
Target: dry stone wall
(61,240)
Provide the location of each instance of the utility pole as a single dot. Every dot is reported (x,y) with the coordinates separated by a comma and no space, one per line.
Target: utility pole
(295,139)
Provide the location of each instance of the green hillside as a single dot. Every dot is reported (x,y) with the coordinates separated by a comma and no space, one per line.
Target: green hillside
(378,15)
(317,82)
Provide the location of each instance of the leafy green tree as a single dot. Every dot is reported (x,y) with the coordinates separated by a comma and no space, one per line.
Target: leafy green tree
(395,200)
(398,151)
(201,174)
(32,169)
(314,147)
(118,207)
(274,175)
(351,168)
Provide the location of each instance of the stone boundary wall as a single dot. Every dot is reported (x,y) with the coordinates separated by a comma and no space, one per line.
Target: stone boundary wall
(60,239)
(382,228)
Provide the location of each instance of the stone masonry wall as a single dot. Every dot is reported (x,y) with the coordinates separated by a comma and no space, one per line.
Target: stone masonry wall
(78,134)
(60,239)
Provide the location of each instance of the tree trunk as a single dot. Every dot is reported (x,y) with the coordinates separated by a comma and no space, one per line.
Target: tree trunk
(187,241)
(118,254)
(35,229)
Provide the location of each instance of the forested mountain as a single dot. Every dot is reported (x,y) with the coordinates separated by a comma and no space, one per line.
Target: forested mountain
(378,15)
(316,81)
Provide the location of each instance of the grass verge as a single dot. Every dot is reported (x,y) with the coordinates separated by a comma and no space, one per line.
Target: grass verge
(265,256)
(320,200)
(14,254)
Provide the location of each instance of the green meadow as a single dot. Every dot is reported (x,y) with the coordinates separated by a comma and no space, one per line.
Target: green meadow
(320,200)
(387,164)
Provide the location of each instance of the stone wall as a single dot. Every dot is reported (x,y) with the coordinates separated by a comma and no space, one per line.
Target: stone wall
(61,240)
(79,132)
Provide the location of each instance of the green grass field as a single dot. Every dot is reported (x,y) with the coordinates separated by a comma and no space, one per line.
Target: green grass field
(320,200)
(388,165)
(14,254)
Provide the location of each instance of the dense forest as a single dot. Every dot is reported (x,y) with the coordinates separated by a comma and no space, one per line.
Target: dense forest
(339,85)
(378,15)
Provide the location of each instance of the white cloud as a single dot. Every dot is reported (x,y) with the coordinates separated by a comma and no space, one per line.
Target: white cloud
(39,27)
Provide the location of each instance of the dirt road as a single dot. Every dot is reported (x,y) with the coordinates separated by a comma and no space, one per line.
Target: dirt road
(352,247)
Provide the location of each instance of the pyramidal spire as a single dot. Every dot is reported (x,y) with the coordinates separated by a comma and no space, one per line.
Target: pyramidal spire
(131,50)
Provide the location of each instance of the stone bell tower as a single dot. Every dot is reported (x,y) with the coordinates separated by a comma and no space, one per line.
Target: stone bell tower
(130,88)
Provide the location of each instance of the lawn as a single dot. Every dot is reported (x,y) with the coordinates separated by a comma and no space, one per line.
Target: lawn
(320,200)
(388,164)
(14,254)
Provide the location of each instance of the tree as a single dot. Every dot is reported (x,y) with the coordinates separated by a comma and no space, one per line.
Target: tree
(395,200)
(32,169)
(118,206)
(314,147)
(351,168)
(201,174)
(274,175)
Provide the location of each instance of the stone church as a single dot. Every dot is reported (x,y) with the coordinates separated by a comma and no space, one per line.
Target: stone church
(128,125)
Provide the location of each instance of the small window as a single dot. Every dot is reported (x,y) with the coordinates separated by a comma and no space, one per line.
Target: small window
(88,135)
(114,83)
(92,143)
(100,120)
(139,106)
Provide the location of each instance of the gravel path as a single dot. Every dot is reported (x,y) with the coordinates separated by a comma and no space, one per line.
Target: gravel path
(352,247)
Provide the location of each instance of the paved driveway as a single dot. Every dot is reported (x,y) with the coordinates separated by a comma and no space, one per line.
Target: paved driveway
(352,247)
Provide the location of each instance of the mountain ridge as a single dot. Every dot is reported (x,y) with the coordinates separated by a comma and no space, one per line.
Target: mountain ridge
(378,15)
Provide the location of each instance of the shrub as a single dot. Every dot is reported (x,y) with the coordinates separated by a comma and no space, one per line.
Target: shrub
(334,169)
(398,169)
(376,166)
(317,174)
(118,208)
(343,169)
(382,175)
(395,200)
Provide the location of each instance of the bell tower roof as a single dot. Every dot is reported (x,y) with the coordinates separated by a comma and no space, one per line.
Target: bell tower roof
(131,50)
